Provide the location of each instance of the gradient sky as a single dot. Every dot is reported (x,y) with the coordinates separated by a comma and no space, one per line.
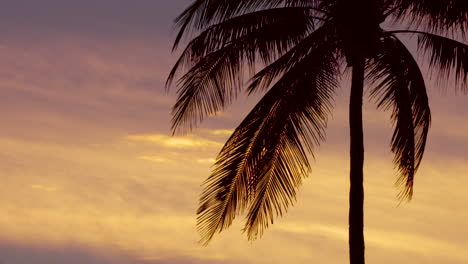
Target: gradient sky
(90,174)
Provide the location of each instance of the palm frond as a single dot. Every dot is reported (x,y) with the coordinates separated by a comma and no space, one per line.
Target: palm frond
(434,15)
(185,19)
(445,57)
(399,85)
(207,88)
(217,77)
(322,38)
(289,25)
(203,13)
(264,160)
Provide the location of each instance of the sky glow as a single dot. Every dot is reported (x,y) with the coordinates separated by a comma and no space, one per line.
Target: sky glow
(91,174)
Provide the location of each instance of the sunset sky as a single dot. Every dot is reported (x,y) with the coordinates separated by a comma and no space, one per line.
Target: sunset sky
(90,173)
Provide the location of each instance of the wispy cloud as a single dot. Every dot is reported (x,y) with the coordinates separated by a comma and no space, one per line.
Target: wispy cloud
(184,142)
(43,188)
(384,239)
(206,161)
(221,132)
(157,159)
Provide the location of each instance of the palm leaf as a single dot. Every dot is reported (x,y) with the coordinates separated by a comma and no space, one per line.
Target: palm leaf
(203,13)
(400,86)
(446,56)
(216,77)
(264,161)
(207,88)
(434,15)
(288,31)
(322,38)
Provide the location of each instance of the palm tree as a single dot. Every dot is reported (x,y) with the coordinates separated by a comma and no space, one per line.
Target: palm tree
(303,46)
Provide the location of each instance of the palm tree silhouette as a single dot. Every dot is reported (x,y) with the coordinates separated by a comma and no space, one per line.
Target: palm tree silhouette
(303,47)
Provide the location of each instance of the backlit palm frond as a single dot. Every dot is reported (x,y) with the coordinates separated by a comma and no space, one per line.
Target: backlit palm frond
(204,13)
(289,25)
(207,88)
(217,77)
(301,119)
(323,37)
(185,20)
(400,86)
(264,160)
(434,15)
(446,57)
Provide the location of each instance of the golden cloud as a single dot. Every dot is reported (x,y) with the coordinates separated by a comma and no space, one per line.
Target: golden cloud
(383,239)
(221,132)
(157,159)
(206,161)
(43,188)
(184,142)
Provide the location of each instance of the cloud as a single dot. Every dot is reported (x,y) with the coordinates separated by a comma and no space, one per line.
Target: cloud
(184,142)
(157,159)
(109,18)
(101,89)
(16,252)
(398,241)
(206,161)
(221,132)
(43,188)
(72,253)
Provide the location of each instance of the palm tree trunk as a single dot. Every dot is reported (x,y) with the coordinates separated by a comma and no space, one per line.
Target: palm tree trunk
(356,193)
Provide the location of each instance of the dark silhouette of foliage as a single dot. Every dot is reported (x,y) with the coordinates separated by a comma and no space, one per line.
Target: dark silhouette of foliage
(304,45)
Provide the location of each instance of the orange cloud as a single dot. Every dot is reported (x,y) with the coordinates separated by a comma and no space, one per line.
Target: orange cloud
(221,132)
(185,142)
